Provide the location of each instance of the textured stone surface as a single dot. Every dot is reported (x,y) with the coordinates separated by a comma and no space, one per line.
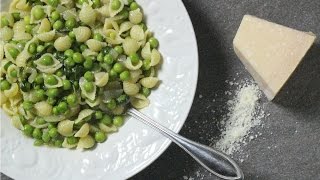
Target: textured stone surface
(289,145)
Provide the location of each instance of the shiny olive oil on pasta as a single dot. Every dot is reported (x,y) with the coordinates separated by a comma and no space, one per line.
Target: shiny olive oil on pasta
(69,67)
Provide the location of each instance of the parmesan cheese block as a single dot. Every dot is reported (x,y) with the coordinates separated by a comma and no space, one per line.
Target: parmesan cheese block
(270,52)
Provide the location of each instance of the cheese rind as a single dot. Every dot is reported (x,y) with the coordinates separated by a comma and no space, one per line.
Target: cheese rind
(270,52)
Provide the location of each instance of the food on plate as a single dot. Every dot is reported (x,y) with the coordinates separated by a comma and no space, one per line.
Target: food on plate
(271,52)
(68,68)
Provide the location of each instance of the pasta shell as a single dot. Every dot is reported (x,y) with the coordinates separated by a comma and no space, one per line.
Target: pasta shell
(86,142)
(155,57)
(63,43)
(82,33)
(65,128)
(130,88)
(6,34)
(43,108)
(135,16)
(149,82)
(83,131)
(130,46)
(101,78)
(87,15)
(139,101)
(137,32)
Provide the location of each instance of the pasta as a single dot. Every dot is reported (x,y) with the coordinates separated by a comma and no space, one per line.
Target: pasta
(69,68)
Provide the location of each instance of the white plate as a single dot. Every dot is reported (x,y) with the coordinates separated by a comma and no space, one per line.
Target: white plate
(135,146)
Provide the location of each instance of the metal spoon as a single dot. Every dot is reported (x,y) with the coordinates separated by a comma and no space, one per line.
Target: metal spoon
(214,161)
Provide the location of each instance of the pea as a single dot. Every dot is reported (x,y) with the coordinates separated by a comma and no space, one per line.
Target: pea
(118,121)
(100,136)
(58,25)
(146,91)
(115,5)
(13,52)
(59,73)
(72,99)
(119,49)
(4,22)
(134,58)
(40,121)
(76,85)
(27,105)
(146,64)
(40,94)
(111,104)
(88,63)
(40,48)
(143,26)
(53,132)
(51,100)
(28,28)
(28,130)
(108,59)
(72,140)
(38,142)
(134,6)
(88,86)
(100,57)
(77,57)
(38,79)
(71,23)
(27,19)
(47,60)
(69,62)
(98,36)
(37,133)
(72,35)
(125,75)
(46,137)
(89,76)
(62,107)
(66,85)
(154,43)
(16,16)
(32,49)
(106,50)
(130,1)
(52,92)
(82,1)
(112,35)
(25,86)
(14,73)
(38,13)
(113,74)
(106,119)
(96,3)
(6,66)
(51,80)
(58,143)
(118,67)
(124,13)
(98,115)
(36,87)
(53,3)
(55,110)
(68,53)
(55,15)
(83,47)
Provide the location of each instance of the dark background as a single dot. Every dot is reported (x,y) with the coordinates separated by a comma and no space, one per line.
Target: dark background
(288,147)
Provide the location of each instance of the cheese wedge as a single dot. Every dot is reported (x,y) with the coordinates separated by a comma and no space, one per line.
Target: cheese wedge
(270,52)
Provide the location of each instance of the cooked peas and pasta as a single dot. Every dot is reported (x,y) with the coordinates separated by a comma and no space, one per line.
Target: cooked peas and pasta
(68,68)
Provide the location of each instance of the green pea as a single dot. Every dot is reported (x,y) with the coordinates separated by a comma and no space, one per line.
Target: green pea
(55,15)
(72,140)
(46,137)
(146,64)
(4,22)
(58,143)
(71,23)
(98,36)
(13,52)
(53,3)
(54,92)
(27,19)
(28,28)
(106,119)
(96,3)
(77,57)
(6,66)
(40,94)
(62,107)
(38,79)
(53,132)
(111,104)
(100,136)
(28,130)
(119,49)
(118,67)
(76,85)
(32,48)
(38,13)
(115,4)
(106,50)
(14,73)
(98,115)
(25,86)
(134,58)
(83,47)
(130,1)
(51,100)
(66,84)
(88,63)
(82,1)
(154,43)
(72,100)
(37,133)
(47,60)
(118,121)
(51,80)
(36,87)
(125,75)
(69,62)
(72,35)
(58,25)
(100,57)
(40,48)
(112,35)
(108,59)
(40,121)
(51,125)
(27,105)
(89,76)
(55,110)
(113,74)
(68,53)
(143,26)
(88,86)
(124,13)
(16,16)
(134,6)
(38,142)
(59,73)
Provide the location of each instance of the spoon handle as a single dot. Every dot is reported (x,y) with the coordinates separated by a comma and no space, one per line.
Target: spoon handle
(214,161)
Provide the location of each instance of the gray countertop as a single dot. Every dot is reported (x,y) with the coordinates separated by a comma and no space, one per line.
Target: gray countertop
(288,147)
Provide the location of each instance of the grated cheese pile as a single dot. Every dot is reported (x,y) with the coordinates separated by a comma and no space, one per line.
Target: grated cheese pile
(243,115)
